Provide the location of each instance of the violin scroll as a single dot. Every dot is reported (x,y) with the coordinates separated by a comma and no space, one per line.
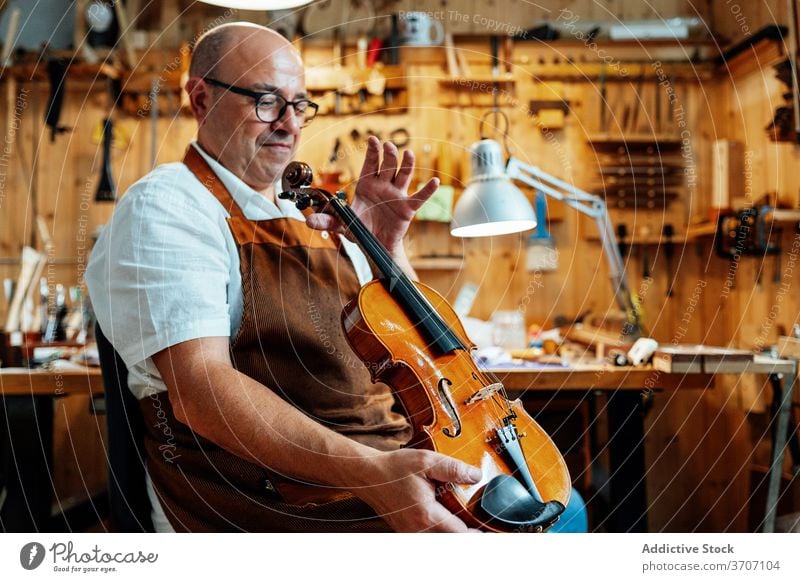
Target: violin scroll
(297,175)
(296,183)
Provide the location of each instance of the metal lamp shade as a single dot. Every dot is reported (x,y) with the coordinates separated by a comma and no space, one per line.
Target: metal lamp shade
(490,204)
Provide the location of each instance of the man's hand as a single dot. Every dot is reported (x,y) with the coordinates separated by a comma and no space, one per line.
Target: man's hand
(381,201)
(401,487)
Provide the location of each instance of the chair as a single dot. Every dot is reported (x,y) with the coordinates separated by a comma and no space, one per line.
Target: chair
(127,490)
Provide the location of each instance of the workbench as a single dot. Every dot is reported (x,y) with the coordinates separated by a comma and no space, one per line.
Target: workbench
(626,388)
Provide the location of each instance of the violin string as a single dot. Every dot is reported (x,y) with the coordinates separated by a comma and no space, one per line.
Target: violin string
(385,263)
(501,406)
(376,250)
(489,378)
(503,413)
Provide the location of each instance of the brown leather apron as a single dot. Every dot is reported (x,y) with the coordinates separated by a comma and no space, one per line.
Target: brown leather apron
(295,281)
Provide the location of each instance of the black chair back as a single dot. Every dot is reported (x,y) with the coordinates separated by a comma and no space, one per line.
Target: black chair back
(127,489)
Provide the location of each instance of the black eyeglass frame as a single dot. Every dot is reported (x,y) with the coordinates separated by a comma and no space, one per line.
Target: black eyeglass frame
(257,95)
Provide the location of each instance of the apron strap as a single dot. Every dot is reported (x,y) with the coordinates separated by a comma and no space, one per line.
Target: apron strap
(200,168)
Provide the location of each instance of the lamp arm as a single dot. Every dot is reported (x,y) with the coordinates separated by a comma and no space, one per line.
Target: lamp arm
(592,206)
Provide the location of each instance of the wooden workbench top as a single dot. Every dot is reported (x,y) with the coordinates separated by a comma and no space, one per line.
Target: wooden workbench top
(42,382)
(579,376)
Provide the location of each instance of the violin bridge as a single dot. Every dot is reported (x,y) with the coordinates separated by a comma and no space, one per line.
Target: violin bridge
(485,393)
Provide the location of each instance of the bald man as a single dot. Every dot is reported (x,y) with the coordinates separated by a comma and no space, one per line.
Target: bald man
(224,303)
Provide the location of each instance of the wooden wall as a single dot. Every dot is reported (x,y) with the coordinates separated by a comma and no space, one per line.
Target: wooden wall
(734,20)
(699,444)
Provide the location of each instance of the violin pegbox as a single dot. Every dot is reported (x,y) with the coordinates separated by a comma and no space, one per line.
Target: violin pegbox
(301,200)
(296,183)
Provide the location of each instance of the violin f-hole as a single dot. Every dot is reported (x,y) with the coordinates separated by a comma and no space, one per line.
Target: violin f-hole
(449,407)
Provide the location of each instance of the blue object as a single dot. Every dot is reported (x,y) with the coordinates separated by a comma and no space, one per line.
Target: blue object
(540,209)
(574,519)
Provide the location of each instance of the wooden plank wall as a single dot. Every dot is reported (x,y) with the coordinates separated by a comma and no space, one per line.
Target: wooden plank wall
(699,444)
(734,20)
(761,307)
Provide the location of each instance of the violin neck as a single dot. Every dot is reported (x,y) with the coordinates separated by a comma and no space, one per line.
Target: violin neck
(373,248)
(438,334)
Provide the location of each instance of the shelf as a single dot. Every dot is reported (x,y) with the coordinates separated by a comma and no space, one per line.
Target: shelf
(754,53)
(701,230)
(437,263)
(779,215)
(585,65)
(348,80)
(696,231)
(479,84)
(789,347)
(590,72)
(77,70)
(350,90)
(634,139)
(641,43)
(646,184)
(784,215)
(650,240)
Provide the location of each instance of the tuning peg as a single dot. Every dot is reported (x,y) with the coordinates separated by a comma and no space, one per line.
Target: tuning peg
(303,201)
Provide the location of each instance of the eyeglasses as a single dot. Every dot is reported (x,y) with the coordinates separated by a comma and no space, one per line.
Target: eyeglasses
(271,107)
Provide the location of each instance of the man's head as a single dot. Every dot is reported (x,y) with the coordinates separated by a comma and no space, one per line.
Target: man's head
(258,59)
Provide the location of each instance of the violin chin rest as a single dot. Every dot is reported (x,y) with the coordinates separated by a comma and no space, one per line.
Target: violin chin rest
(508,506)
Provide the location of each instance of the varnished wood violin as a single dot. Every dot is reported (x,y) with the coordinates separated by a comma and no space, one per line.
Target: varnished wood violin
(411,339)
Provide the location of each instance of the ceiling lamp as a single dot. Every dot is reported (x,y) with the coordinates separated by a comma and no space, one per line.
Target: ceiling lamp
(258,4)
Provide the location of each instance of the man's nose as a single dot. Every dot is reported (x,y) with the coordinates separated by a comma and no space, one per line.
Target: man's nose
(290,121)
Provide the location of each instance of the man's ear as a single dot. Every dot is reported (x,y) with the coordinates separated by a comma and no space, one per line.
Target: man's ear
(199,98)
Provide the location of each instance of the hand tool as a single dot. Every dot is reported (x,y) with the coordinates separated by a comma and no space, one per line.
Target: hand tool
(669,252)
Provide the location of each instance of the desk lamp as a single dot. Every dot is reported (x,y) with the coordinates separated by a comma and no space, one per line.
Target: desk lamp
(492,205)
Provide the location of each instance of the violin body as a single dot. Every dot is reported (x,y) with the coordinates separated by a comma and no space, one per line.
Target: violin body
(434,390)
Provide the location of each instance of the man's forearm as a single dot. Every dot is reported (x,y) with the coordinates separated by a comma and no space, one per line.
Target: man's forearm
(251,421)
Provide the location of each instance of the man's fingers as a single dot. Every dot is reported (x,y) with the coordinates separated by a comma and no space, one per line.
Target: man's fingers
(389,166)
(445,522)
(403,178)
(372,157)
(449,470)
(321,221)
(422,195)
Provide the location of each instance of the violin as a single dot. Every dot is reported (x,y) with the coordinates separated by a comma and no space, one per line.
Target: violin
(411,339)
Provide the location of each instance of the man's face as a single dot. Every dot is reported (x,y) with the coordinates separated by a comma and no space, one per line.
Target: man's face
(254,150)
